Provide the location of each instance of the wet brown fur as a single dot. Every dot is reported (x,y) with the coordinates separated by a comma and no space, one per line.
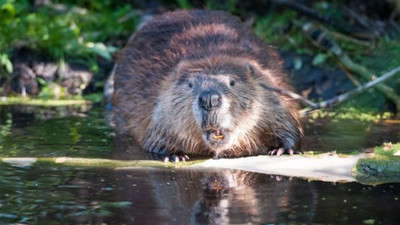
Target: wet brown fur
(151,107)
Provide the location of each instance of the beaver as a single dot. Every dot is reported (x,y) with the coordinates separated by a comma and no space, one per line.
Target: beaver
(197,83)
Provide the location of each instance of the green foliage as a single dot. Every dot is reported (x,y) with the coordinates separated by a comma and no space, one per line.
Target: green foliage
(212,5)
(320,59)
(46,91)
(352,113)
(87,29)
(231,6)
(283,29)
(5,63)
(388,149)
(94,97)
(383,57)
(43,102)
(227,5)
(50,90)
(184,4)
(83,29)
(275,29)
(63,29)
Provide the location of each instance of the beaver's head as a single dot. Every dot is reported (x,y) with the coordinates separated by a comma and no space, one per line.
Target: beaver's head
(220,95)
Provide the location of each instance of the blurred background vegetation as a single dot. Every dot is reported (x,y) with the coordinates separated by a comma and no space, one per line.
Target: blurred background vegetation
(62,49)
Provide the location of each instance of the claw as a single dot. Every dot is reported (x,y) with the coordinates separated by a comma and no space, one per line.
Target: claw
(166,160)
(295,152)
(272,152)
(185,158)
(280,152)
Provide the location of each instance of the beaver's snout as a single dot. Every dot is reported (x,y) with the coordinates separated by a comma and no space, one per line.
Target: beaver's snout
(213,116)
(210,100)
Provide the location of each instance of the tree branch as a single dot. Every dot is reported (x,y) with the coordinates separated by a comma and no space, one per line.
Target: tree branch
(321,40)
(337,99)
(290,94)
(358,90)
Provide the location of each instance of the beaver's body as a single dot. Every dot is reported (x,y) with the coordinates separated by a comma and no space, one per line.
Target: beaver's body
(193,82)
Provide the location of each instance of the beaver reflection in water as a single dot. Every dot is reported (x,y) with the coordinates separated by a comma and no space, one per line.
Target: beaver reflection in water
(194,83)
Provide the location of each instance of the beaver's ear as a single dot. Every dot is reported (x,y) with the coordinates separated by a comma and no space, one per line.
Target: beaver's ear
(179,67)
(248,23)
(182,66)
(251,70)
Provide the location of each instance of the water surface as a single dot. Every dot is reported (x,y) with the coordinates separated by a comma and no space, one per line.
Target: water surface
(46,194)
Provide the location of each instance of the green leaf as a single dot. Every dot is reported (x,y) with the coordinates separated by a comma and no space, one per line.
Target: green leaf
(122,204)
(319,59)
(9,66)
(6,62)
(184,4)
(101,49)
(298,63)
(9,7)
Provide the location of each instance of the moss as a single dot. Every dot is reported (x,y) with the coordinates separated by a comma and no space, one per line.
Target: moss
(382,168)
(42,102)
(379,165)
(90,162)
(388,149)
(94,97)
(379,169)
(351,113)
(97,162)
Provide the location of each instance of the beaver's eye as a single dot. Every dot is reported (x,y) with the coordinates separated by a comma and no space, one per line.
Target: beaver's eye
(232,82)
(190,84)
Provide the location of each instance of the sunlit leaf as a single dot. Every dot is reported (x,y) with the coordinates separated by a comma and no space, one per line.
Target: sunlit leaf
(298,63)
(116,204)
(319,59)
(9,7)
(101,49)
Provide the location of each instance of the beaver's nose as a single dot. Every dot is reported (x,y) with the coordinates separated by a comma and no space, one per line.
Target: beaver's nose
(210,100)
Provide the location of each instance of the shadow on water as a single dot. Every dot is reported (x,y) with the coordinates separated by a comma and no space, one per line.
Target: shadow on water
(48,194)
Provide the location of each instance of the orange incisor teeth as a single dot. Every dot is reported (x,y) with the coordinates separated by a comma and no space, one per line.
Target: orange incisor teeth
(219,137)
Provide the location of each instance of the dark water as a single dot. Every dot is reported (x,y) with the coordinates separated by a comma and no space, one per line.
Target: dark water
(48,194)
